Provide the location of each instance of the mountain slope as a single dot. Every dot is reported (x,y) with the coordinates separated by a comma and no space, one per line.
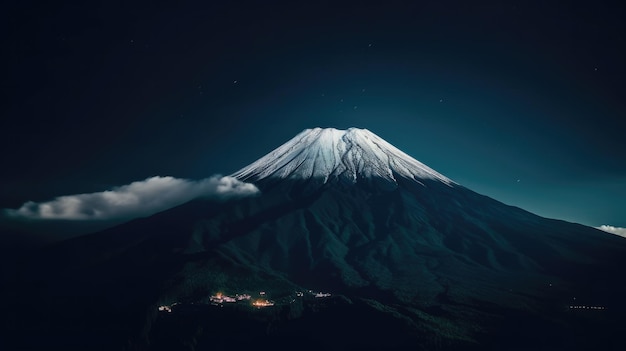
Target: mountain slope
(331,153)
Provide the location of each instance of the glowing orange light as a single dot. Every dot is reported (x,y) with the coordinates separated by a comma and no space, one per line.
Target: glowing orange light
(262,303)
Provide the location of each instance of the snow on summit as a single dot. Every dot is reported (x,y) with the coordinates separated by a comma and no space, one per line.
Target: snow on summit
(333,153)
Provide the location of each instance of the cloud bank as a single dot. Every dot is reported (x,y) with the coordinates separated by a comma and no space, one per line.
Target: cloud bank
(137,199)
(613,230)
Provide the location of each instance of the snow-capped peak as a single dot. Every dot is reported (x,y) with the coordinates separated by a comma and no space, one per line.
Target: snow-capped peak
(330,153)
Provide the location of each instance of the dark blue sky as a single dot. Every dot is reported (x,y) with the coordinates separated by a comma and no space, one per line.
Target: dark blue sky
(523,101)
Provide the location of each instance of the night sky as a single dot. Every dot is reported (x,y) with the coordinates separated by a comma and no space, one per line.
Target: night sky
(523,101)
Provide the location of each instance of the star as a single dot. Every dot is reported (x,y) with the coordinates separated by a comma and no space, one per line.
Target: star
(355,107)
(595,68)
(440,100)
(369,45)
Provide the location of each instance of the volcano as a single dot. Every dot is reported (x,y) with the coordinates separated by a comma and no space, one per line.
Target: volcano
(331,153)
(351,244)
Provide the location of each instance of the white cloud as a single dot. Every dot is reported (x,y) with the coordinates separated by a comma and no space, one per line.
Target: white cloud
(137,199)
(613,230)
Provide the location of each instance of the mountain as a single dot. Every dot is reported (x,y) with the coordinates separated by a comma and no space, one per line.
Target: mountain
(411,260)
(332,154)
